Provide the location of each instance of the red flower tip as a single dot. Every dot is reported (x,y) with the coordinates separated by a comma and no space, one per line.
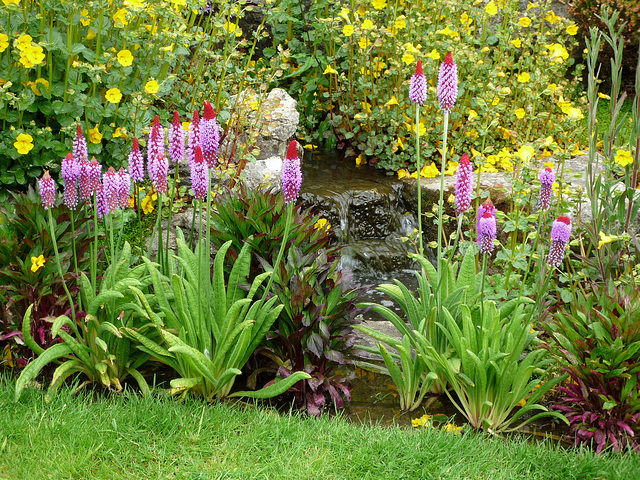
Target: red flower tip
(464,159)
(292,151)
(199,156)
(176,117)
(46,175)
(156,121)
(564,220)
(70,157)
(487,214)
(136,145)
(448,59)
(79,131)
(547,169)
(209,114)
(196,116)
(419,68)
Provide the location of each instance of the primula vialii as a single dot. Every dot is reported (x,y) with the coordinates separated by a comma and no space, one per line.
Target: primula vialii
(176,139)
(486,227)
(418,86)
(70,172)
(199,175)
(136,162)
(560,233)
(209,135)
(463,185)
(47,190)
(291,174)
(448,83)
(547,177)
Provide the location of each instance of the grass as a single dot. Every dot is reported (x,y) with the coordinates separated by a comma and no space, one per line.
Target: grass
(127,436)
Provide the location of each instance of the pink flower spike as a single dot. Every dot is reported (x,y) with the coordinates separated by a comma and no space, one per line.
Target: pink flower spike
(124,188)
(199,175)
(176,139)
(448,83)
(80,152)
(47,190)
(547,177)
(463,185)
(70,172)
(418,86)
(136,162)
(209,135)
(194,137)
(110,183)
(560,233)
(291,174)
(157,163)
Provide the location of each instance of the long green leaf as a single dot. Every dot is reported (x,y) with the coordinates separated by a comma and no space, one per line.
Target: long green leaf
(32,370)
(275,389)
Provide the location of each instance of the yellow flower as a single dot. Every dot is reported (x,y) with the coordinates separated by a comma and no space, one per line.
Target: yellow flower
(429,171)
(367,24)
(134,3)
(434,54)
(23,143)
(361,159)
(364,43)
(32,56)
(329,69)
(472,114)
(411,49)
(4,42)
(344,13)
(11,2)
(400,23)
(603,95)
(347,30)
(392,101)
(147,205)
(230,27)
(91,34)
(179,3)
(379,4)
(34,85)
(402,173)
(84,17)
(552,18)
(452,167)
(23,42)
(120,16)
(491,8)
(451,428)
(520,113)
(516,43)
(604,239)
(447,31)
(400,143)
(572,29)
(623,158)
(119,133)
(524,22)
(524,77)
(525,153)
(557,53)
(37,263)
(408,58)
(552,87)
(113,95)
(532,5)
(94,135)
(125,58)
(361,10)
(322,223)
(151,87)
(421,131)
(425,421)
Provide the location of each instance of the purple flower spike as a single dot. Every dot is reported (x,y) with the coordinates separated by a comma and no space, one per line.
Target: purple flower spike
(547,177)
(194,136)
(157,163)
(291,174)
(448,83)
(176,139)
(463,185)
(47,190)
(124,188)
(136,162)
(560,233)
(80,152)
(110,184)
(89,179)
(70,171)
(102,203)
(209,135)
(486,227)
(199,175)
(418,86)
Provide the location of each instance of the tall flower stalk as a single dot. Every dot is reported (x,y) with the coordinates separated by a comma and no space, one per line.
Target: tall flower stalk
(418,95)
(447,95)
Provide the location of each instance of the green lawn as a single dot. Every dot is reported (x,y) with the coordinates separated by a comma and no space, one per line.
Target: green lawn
(95,436)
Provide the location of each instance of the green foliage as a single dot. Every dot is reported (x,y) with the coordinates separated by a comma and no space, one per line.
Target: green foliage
(491,377)
(93,345)
(207,331)
(436,293)
(352,63)
(596,340)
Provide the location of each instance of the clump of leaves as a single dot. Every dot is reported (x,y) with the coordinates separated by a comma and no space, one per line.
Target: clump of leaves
(597,342)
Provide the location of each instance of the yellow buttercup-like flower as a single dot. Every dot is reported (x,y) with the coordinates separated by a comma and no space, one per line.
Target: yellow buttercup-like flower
(329,70)
(557,52)
(120,17)
(623,158)
(23,143)
(4,42)
(84,17)
(113,95)
(523,77)
(94,135)
(37,263)
(572,29)
(147,205)
(32,56)
(322,223)
(11,2)
(379,4)
(34,86)
(552,18)
(367,24)
(516,43)
(125,58)
(429,171)
(447,31)
(491,8)
(347,30)
(524,22)
(604,239)
(408,58)
(392,101)
(400,22)
(525,153)
(364,43)
(151,87)
(434,54)
(520,113)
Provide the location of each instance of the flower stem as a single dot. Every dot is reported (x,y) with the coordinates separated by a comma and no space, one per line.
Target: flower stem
(55,249)
(441,201)
(421,248)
